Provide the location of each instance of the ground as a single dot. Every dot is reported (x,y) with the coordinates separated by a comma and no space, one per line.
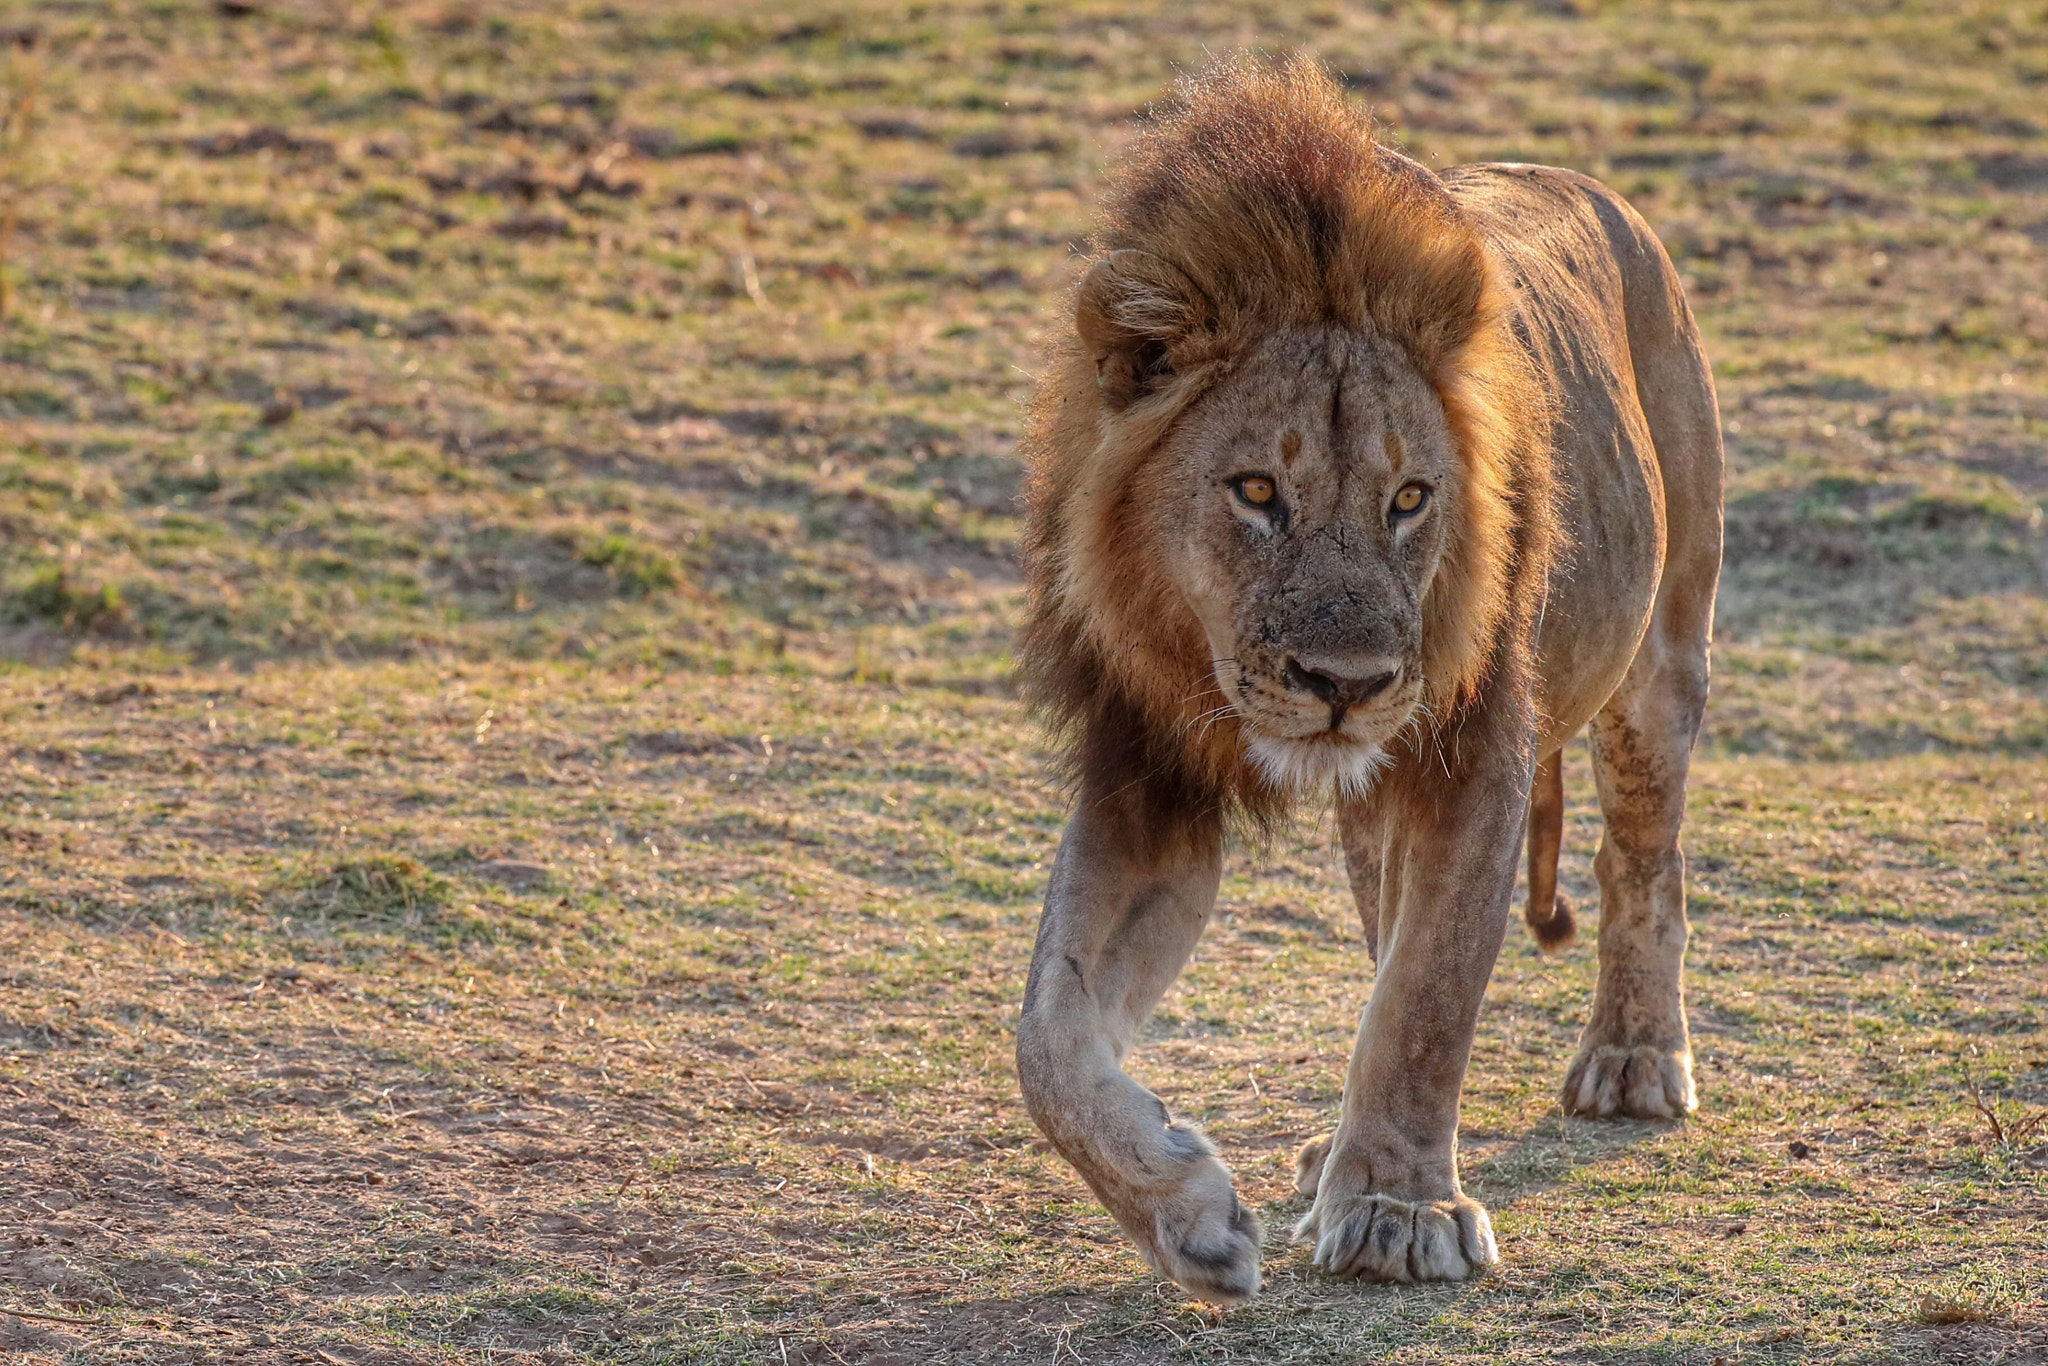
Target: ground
(519,843)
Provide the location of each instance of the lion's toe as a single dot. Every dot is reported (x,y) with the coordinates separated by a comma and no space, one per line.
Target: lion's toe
(1378,1238)
(1308,1165)
(1644,1082)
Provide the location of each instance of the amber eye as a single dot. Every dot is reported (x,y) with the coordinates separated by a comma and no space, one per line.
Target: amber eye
(1257,490)
(1410,499)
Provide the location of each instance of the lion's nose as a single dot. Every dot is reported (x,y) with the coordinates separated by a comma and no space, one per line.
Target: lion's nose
(1345,685)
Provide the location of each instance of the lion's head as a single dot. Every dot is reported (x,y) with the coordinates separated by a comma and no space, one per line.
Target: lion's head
(1281,468)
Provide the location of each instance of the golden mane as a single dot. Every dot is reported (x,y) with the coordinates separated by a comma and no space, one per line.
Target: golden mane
(1272,196)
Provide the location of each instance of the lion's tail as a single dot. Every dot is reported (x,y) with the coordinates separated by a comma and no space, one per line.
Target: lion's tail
(1548,913)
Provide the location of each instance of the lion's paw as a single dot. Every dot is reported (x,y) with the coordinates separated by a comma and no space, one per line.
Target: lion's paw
(1378,1238)
(1308,1165)
(1204,1238)
(1644,1082)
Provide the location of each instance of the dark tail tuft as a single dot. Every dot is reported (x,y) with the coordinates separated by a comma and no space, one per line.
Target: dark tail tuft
(1553,926)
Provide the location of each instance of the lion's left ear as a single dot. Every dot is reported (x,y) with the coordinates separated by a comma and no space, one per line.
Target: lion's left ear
(1133,312)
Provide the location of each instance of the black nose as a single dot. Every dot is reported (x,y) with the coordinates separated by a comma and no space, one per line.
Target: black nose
(1336,689)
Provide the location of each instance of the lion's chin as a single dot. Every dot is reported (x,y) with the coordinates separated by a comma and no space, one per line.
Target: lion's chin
(1317,763)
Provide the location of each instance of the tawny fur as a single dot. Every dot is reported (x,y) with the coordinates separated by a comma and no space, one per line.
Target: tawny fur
(1548,912)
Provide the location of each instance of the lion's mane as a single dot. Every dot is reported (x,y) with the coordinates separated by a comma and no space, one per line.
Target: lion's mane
(1273,196)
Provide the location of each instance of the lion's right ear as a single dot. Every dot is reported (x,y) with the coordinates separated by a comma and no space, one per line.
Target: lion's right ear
(1133,313)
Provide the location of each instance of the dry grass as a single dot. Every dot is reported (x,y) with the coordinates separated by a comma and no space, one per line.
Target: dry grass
(517,846)
(19,177)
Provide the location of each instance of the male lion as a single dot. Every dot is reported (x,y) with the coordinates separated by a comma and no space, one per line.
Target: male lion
(1357,478)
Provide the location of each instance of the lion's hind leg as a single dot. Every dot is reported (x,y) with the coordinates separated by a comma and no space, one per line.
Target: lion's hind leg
(1635,1057)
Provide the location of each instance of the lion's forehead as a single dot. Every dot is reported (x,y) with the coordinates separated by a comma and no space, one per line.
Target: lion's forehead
(1328,401)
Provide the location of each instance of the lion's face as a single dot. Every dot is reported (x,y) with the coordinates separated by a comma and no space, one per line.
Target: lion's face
(1298,500)
(1304,524)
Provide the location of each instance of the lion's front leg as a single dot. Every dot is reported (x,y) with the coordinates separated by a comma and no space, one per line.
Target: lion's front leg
(1127,902)
(1388,1206)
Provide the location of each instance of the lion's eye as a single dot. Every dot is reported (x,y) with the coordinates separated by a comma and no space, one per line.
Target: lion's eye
(1410,499)
(1257,490)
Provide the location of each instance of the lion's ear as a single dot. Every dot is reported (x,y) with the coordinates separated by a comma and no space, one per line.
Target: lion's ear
(1134,311)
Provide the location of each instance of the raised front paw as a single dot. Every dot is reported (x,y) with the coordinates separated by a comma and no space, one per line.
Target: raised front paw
(1200,1235)
(1644,1082)
(1378,1238)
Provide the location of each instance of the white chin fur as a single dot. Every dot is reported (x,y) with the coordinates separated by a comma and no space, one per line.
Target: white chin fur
(1317,765)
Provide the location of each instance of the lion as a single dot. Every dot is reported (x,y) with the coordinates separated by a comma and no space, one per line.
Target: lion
(1356,481)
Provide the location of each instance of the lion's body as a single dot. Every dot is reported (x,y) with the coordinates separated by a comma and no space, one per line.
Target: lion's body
(1636,465)
(1287,308)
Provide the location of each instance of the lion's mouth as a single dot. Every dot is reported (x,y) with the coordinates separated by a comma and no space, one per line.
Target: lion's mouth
(1311,749)
(1369,724)
(1317,762)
